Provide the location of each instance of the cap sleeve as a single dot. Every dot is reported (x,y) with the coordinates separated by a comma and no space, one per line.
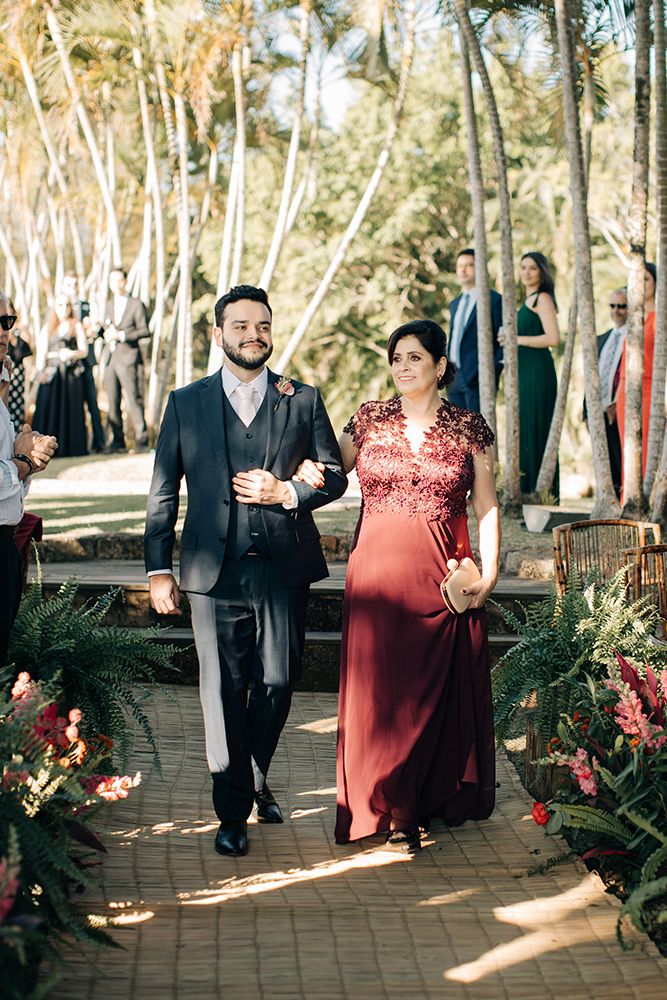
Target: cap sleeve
(357,426)
(481,435)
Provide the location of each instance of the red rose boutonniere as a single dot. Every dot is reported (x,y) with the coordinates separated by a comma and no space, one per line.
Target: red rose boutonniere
(284,387)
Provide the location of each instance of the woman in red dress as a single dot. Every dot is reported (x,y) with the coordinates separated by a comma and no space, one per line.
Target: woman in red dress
(415,721)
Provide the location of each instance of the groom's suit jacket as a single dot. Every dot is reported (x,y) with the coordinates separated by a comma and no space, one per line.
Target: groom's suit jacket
(468,373)
(192,443)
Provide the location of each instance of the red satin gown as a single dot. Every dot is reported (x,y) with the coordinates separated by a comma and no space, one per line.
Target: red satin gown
(415,722)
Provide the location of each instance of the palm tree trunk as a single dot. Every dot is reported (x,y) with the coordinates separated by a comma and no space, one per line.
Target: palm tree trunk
(184,343)
(362,207)
(215,353)
(633,495)
(487,375)
(656,434)
(239,99)
(158,314)
(280,230)
(606,503)
(550,457)
(33,93)
(86,127)
(307,172)
(511,490)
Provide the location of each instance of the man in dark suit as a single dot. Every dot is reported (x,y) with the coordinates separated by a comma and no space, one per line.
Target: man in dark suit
(610,353)
(70,288)
(249,547)
(464,390)
(125,324)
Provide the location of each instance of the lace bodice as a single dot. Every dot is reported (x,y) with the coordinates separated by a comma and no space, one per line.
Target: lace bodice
(435,480)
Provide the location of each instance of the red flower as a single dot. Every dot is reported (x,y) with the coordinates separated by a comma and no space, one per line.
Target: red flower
(540,814)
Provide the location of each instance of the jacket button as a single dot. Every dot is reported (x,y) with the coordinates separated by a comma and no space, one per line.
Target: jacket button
(251,458)
(226,503)
(253,510)
(248,435)
(223,540)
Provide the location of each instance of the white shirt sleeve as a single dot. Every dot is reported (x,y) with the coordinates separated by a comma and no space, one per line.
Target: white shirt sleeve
(10,484)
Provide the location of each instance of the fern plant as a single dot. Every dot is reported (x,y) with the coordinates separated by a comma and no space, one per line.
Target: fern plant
(99,669)
(563,639)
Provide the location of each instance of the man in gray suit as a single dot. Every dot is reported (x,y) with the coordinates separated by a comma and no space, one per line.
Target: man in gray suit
(125,324)
(249,547)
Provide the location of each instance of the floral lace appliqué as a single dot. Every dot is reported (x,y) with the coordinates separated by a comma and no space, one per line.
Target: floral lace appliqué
(433,481)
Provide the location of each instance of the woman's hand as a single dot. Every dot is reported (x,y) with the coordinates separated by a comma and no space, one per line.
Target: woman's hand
(480,591)
(310,472)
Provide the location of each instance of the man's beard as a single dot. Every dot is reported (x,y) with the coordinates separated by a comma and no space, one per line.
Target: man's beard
(243,361)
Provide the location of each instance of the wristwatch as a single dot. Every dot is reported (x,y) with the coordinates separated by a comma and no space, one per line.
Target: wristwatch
(28,461)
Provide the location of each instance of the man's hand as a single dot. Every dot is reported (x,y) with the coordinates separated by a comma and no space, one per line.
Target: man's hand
(611,413)
(260,487)
(39,447)
(111,335)
(165,597)
(310,472)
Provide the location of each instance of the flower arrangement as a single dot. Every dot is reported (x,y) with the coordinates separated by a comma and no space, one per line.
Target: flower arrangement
(50,790)
(612,799)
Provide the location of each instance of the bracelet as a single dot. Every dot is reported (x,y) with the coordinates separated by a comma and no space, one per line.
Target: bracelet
(28,461)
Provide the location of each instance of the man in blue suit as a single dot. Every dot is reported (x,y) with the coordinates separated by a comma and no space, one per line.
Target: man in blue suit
(464,390)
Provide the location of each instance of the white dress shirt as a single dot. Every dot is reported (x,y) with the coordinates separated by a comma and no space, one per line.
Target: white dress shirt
(463,310)
(259,384)
(119,303)
(12,490)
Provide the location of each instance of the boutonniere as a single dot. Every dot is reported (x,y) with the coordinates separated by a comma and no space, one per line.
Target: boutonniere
(284,387)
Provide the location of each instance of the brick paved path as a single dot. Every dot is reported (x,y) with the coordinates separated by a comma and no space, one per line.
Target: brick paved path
(302,918)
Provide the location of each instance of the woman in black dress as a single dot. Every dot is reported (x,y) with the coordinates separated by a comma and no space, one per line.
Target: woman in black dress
(61,350)
(18,350)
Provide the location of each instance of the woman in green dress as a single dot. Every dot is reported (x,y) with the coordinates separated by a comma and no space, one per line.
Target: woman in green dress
(537,329)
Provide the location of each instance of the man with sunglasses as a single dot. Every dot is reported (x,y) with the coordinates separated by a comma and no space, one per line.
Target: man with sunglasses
(610,353)
(21,455)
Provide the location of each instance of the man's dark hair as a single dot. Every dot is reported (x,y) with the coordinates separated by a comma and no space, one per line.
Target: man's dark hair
(236,294)
(651,268)
(466,253)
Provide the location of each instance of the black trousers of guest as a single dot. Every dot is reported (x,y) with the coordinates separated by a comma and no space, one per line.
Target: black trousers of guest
(249,634)
(120,377)
(11,584)
(615,454)
(90,397)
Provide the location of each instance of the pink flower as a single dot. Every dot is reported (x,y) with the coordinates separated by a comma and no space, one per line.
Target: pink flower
(22,686)
(9,885)
(114,788)
(582,769)
(75,716)
(631,719)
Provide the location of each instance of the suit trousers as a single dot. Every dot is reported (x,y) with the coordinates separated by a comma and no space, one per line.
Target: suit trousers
(129,377)
(11,585)
(90,396)
(250,634)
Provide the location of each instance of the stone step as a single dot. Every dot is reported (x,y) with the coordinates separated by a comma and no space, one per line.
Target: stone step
(321,658)
(325,606)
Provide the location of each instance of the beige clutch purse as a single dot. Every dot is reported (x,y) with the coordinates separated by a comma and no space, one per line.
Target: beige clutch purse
(462,575)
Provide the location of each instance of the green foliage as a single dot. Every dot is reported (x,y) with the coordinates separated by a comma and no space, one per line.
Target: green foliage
(99,669)
(565,638)
(47,803)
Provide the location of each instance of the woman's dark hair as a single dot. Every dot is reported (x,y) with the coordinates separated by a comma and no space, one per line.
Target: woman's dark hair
(547,283)
(432,338)
(651,268)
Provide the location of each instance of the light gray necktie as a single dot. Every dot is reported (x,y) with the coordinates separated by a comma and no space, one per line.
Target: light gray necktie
(246,409)
(460,320)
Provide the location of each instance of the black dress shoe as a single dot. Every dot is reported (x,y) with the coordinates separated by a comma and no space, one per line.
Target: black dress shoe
(232,838)
(404,840)
(267,809)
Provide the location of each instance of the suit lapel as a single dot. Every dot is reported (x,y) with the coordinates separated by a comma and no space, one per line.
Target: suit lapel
(213,418)
(277,419)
